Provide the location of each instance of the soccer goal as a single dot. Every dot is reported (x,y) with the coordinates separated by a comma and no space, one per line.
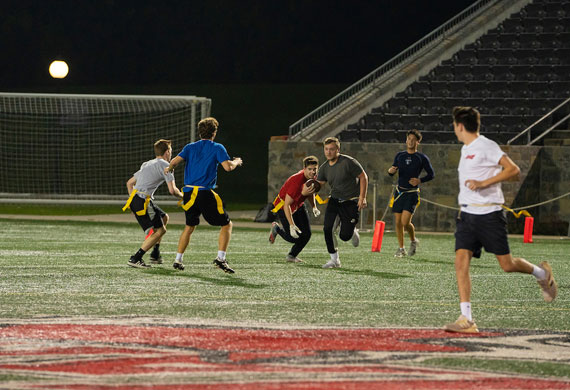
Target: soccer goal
(85,147)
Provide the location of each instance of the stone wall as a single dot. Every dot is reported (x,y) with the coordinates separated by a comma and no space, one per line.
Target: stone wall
(544,175)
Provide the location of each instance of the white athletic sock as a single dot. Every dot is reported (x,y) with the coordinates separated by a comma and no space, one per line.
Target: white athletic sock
(466,310)
(538,272)
(334,256)
(179,256)
(221,255)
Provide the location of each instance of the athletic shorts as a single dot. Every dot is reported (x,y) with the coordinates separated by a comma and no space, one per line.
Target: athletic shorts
(488,231)
(207,205)
(407,201)
(152,218)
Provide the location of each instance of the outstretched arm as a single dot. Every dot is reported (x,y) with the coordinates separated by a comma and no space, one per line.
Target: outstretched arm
(230,165)
(175,161)
(173,189)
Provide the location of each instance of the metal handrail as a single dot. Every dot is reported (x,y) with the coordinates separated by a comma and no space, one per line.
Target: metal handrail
(382,71)
(529,129)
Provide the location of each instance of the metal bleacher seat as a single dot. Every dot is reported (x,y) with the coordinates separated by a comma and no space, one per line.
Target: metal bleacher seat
(557,10)
(387,136)
(374,120)
(513,26)
(432,122)
(393,121)
(462,73)
(489,41)
(416,105)
(443,73)
(491,123)
(411,121)
(561,89)
(512,123)
(397,105)
(466,57)
(540,90)
(419,89)
(459,89)
(368,135)
(526,56)
(506,57)
(480,89)
(503,73)
(497,106)
(500,89)
(534,10)
(487,56)
(517,106)
(349,135)
(482,72)
(436,105)
(440,89)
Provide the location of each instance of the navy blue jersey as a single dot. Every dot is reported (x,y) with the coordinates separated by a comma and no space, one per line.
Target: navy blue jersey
(411,165)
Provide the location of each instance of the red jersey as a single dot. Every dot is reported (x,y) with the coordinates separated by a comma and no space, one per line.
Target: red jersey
(292,187)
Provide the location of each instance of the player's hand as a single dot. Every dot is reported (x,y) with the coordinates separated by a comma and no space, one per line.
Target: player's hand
(362,203)
(307,190)
(414,181)
(474,185)
(238,161)
(392,170)
(167,170)
(294,231)
(316,212)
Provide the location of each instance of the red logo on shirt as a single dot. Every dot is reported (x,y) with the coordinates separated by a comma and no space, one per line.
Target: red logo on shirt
(469,157)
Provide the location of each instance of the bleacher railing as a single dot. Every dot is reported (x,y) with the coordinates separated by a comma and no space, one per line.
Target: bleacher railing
(561,111)
(381,73)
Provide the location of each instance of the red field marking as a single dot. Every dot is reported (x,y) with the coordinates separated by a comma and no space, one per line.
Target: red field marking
(128,356)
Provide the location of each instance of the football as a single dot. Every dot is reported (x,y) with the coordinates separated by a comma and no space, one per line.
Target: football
(313,182)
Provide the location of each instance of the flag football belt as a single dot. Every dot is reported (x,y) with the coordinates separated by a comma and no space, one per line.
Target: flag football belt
(194,194)
(517,215)
(400,193)
(326,200)
(279,205)
(128,204)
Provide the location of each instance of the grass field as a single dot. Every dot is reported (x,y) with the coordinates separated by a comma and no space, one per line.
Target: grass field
(73,268)
(51,270)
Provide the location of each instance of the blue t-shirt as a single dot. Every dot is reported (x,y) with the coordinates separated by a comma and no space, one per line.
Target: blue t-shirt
(410,165)
(202,159)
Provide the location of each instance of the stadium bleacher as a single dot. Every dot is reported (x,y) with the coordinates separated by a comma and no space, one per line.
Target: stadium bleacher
(513,74)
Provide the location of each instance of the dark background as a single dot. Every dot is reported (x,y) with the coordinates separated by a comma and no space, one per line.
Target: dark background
(264,64)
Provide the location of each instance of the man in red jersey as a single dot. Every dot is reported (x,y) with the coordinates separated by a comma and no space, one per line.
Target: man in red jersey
(289,206)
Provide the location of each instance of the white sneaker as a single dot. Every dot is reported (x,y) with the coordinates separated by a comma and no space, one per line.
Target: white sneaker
(332,264)
(355,238)
(413,246)
(293,259)
(401,252)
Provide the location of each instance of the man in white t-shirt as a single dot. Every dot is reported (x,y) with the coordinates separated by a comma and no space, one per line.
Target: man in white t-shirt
(481,223)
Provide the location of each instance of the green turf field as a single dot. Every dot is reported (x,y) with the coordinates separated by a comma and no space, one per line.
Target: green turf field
(79,269)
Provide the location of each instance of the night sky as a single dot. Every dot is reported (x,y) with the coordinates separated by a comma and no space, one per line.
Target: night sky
(144,42)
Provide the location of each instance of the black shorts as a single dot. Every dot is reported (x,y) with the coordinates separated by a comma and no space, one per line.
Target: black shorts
(153,216)
(407,201)
(206,204)
(487,230)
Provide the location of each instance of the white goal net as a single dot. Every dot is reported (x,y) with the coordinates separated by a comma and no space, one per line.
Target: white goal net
(85,147)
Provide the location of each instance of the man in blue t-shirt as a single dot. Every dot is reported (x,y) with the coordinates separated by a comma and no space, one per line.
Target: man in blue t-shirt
(200,175)
(409,164)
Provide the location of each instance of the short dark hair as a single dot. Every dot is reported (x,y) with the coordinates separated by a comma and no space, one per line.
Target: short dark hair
(207,127)
(469,117)
(416,133)
(161,146)
(310,160)
(331,140)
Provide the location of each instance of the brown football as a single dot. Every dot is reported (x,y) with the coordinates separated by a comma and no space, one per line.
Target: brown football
(313,182)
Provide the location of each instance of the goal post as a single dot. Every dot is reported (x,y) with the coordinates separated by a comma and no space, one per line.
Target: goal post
(85,147)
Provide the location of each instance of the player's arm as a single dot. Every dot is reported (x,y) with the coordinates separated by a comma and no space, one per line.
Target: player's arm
(430,173)
(230,165)
(173,163)
(173,189)
(510,170)
(392,170)
(363,179)
(294,231)
(131,184)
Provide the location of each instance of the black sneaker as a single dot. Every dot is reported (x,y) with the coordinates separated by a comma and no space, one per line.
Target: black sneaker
(155,259)
(178,265)
(223,265)
(137,263)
